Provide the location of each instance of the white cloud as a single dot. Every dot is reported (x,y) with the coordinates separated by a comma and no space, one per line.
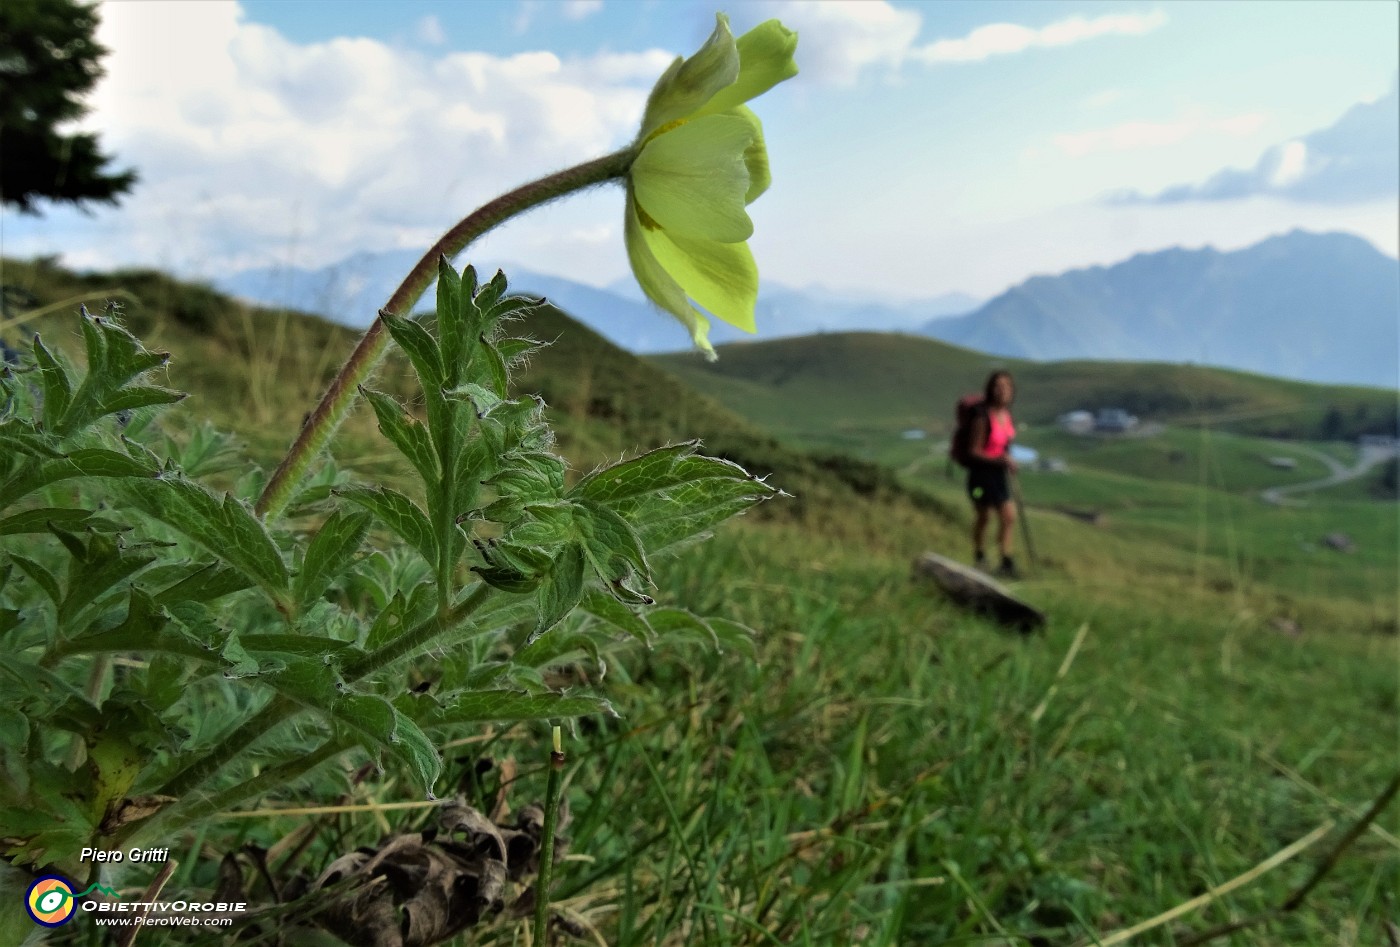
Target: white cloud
(248,143)
(429,30)
(579,9)
(1103,99)
(1292,164)
(1353,161)
(999,39)
(843,39)
(1132,136)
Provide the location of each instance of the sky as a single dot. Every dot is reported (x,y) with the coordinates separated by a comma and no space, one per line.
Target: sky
(924,148)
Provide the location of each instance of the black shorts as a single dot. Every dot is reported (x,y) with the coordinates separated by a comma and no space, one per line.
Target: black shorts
(987,484)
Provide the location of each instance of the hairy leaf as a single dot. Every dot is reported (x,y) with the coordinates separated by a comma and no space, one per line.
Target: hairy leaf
(83,462)
(400,514)
(225,527)
(57,384)
(421,349)
(329,554)
(617,614)
(41,519)
(561,589)
(406,433)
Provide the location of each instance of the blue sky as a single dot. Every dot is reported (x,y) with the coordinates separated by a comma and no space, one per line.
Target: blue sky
(923,149)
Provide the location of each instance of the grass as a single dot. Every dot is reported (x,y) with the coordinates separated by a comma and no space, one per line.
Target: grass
(880,778)
(890,770)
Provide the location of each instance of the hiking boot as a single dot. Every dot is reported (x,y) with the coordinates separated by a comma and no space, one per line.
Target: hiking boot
(1008,569)
(980,561)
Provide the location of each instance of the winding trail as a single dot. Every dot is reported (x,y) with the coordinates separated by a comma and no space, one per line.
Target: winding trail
(1367,459)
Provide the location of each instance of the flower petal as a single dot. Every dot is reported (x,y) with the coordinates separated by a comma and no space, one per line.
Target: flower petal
(693,179)
(658,285)
(765,59)
(755,155)
(722,277)
(687,85)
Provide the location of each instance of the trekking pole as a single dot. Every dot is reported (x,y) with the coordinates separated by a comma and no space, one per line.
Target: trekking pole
(1021,515)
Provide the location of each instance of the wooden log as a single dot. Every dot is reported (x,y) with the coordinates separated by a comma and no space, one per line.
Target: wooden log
(979,592)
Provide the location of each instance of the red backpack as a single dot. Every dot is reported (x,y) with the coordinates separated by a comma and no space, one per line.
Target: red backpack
(967,410)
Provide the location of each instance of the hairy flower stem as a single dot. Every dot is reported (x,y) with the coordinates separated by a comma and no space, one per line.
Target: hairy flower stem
(335,404)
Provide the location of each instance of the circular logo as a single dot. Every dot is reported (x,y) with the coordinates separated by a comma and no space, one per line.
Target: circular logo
(50,901)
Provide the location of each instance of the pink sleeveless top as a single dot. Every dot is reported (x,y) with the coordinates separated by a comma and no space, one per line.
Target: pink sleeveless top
(1000,433)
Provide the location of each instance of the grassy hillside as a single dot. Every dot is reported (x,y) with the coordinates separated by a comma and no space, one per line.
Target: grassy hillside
(848,389)
(885,769)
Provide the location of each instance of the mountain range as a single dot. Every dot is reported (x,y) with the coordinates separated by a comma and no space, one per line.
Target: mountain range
(1315,307)
(352,291)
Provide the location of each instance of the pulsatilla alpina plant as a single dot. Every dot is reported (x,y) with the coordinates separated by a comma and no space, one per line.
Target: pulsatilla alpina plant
(181,636)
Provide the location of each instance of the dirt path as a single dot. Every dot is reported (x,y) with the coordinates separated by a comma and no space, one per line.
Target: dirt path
(1367,459)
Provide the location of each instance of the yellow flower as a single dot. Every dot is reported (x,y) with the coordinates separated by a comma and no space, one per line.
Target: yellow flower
(701,161)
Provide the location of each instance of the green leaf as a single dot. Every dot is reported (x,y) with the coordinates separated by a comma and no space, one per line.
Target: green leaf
(39,520)
(20,438)
(381,726)
(115,357)
(400,514)
(451,320)
(516,307)
(164,681)
(205,584)
(140,396)
(561,589)
(514,350)
(225,527)
(496,366)
(308,681)
(374,721)
(93,570)
(487,296)
(56,383)
(84,462)
(329,554)
(672,494)
(614,550)
(609,609)
(401,614)
(525,485)
(509,706)
(652,472)
(56,821)
(41,576)
(406,433)
(559,648)
(421,349)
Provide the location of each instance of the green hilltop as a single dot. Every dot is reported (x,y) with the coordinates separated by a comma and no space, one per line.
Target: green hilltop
(844,386)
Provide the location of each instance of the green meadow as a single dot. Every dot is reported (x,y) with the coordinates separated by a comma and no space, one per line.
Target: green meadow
(1211,708)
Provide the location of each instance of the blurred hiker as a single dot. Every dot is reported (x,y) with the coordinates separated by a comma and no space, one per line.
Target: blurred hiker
(990,468)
